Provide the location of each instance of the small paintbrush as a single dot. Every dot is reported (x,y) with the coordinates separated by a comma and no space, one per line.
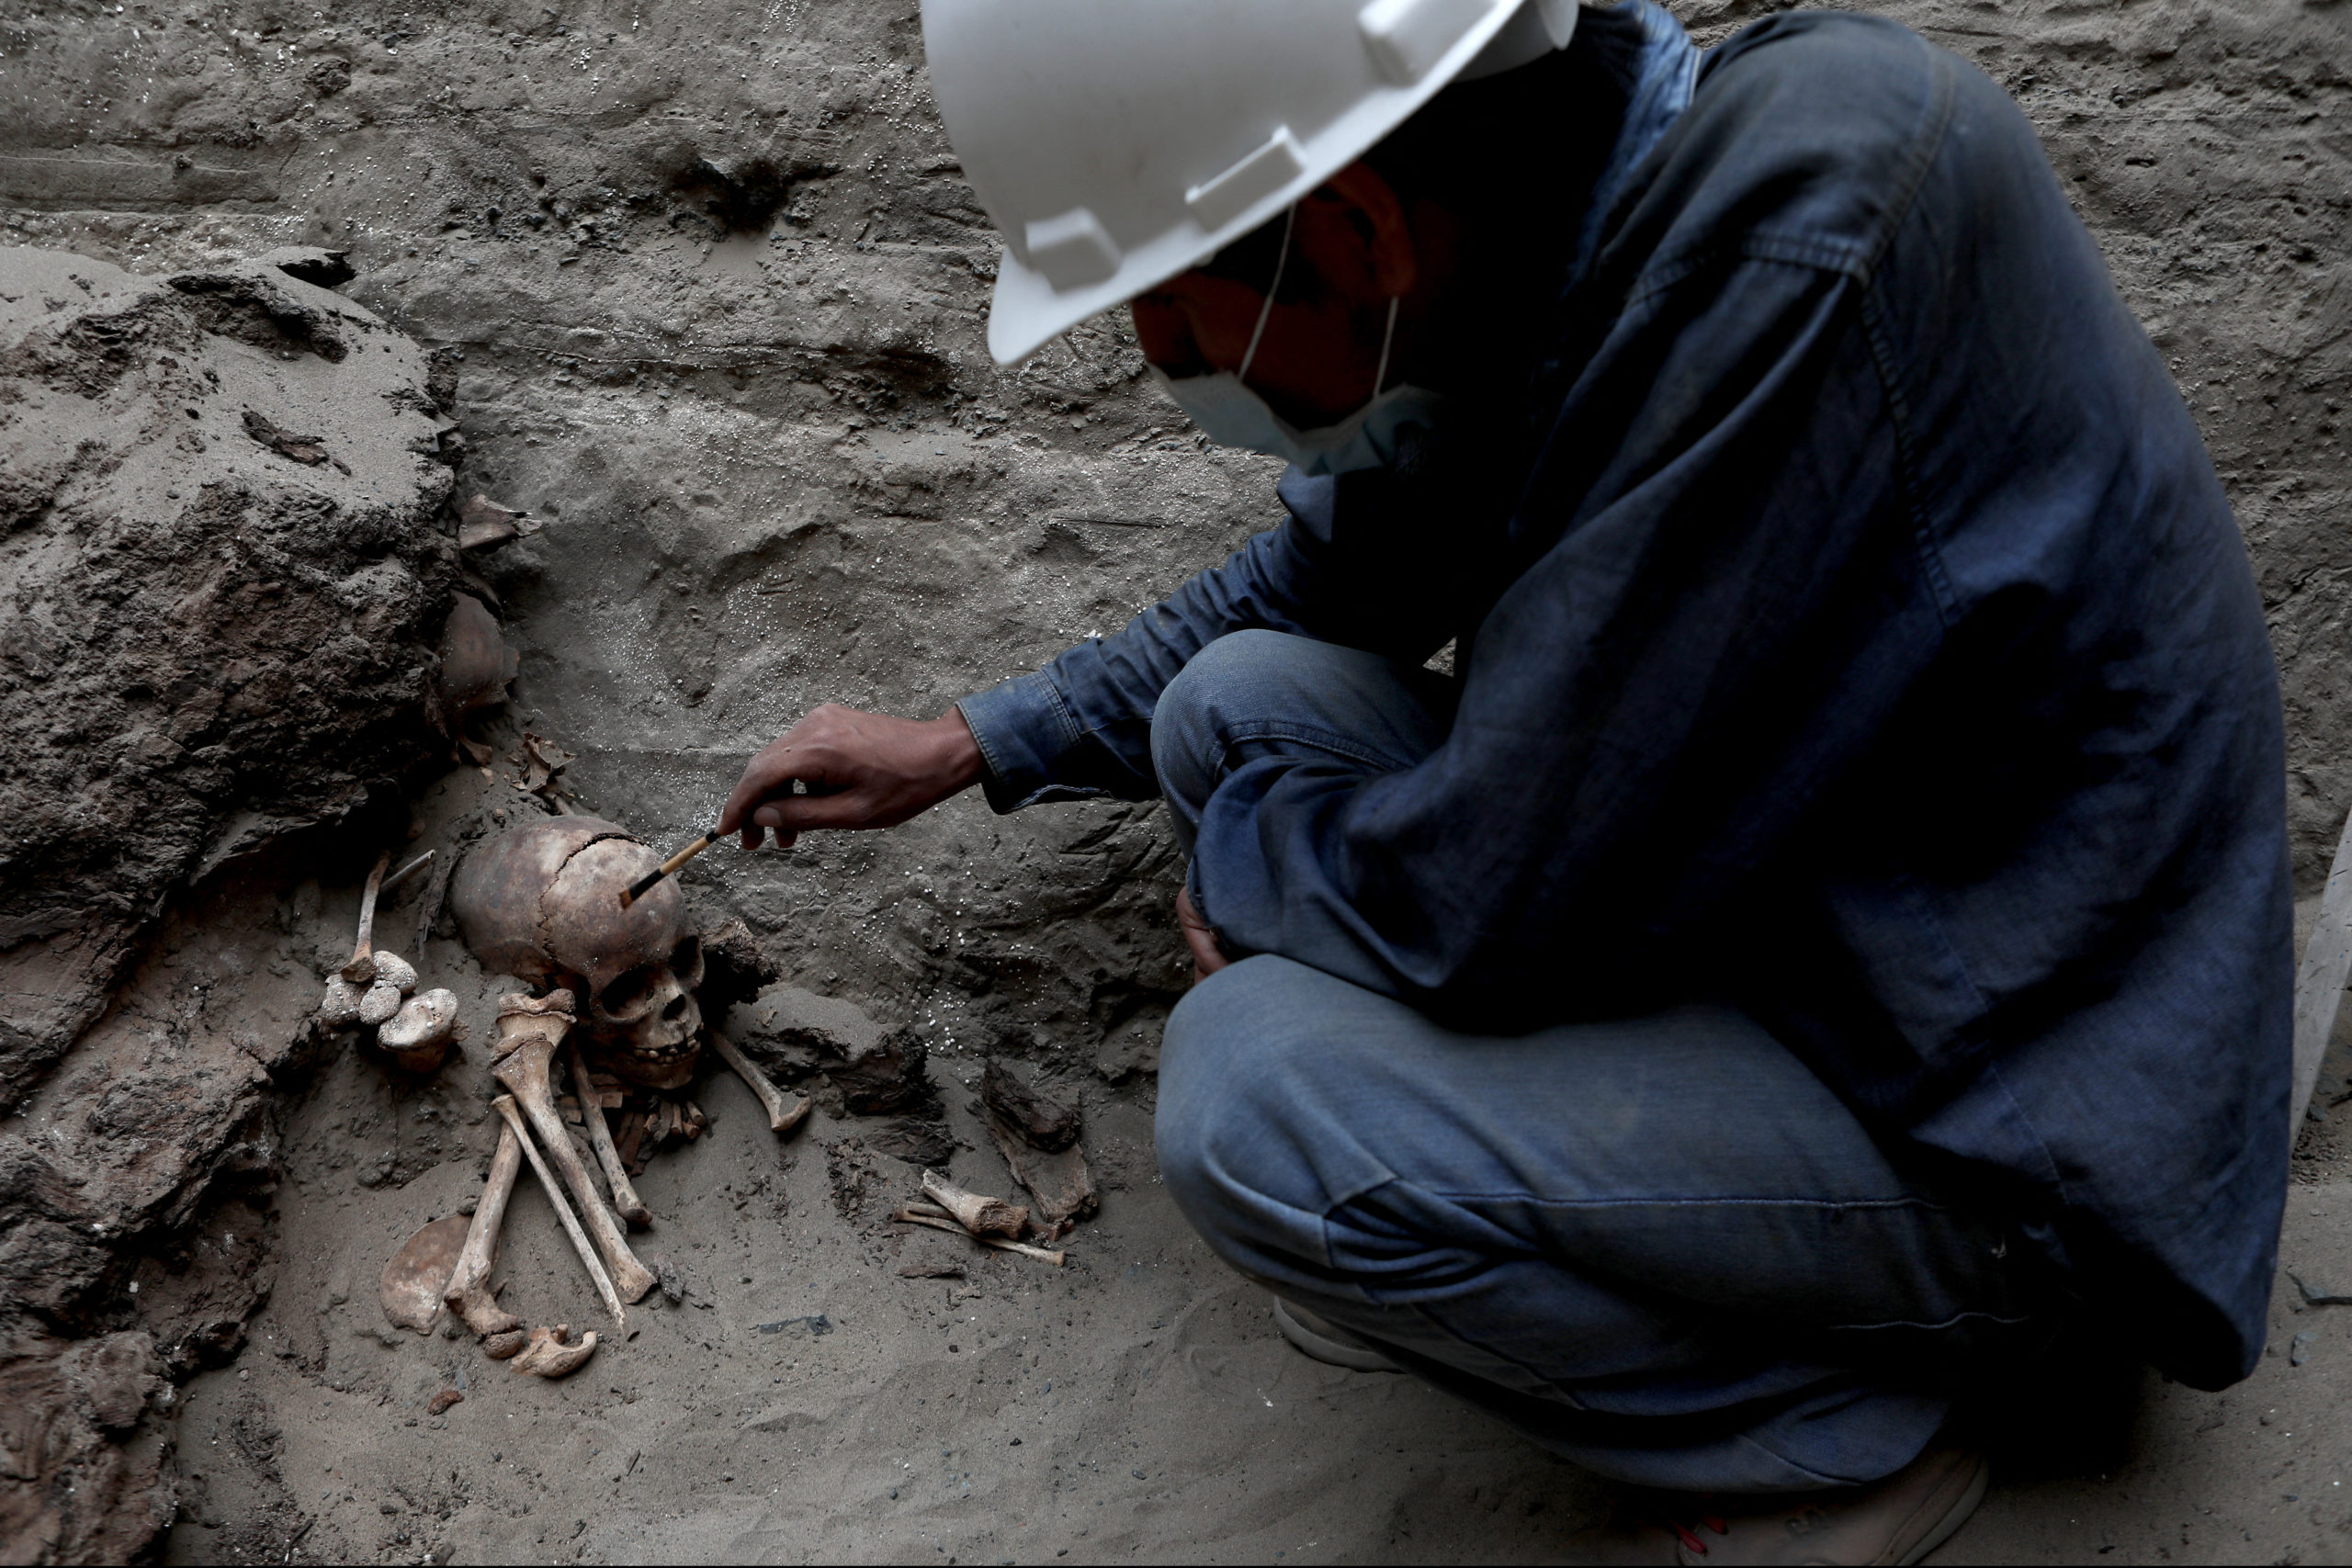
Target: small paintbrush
(645,884)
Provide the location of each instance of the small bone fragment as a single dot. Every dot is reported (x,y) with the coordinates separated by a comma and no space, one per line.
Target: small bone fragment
(362,967)
(382,1000)
(442,1400)
(419,1272)
(505,1343)
(531,1029)
(466,1293)
(398,970)
(504,1106)
(419,1035)
(547,1356)
(600,1138)
(976,1213)
(912,1217)
(783,1115)
(483,525)
(341,1004)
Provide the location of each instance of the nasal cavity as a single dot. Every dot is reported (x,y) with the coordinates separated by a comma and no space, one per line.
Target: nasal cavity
(677,1007)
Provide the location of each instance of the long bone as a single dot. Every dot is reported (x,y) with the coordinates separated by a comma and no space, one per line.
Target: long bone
(782,1116)
(504,1106)
(527,1032)
(467,1294)
(362,967)
(600,1138)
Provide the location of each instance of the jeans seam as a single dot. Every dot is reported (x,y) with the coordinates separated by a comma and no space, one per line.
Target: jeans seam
(1230,735)
(1837,1203)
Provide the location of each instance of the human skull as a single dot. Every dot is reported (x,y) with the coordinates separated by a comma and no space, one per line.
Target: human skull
(542,901)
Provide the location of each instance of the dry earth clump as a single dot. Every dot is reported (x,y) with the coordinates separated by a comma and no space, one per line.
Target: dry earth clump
(222,567)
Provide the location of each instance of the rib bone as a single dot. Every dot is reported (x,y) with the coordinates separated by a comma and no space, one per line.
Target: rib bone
(600,1138)
(504,1106)
(467,1294)
(528,1031)
(783,1115)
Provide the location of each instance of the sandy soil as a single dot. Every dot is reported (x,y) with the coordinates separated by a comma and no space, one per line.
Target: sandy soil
(717,285)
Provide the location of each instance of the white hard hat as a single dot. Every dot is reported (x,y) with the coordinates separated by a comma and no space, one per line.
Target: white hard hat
(1116,142)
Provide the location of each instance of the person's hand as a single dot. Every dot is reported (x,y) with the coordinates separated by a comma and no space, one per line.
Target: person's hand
(863,770)
(1200,939)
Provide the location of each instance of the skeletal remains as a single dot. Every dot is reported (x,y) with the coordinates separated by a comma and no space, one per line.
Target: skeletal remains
(373,989)
(542,902)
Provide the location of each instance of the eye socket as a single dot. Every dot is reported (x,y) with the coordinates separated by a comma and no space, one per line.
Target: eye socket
(630,993)
(686,961)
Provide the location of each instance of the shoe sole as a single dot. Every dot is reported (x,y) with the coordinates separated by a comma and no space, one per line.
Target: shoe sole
(1323,1348)
(1955,1517)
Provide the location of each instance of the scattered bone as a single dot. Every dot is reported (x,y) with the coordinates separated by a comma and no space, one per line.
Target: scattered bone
(632,1135)
(1062,1186)
(361,970)
(398,971)
(411,869)
(528,1031)
(600,1138)
(506,1344)
(783,1114)
(544,774)
(930,1270)
(442,1400)
(483,525)
(504,1106)
(466,1293)
(976,1213)
(1039,1119)
(419,1035)
(547,1356)
(936,1220)
(476,664)
(382,1000)
(697,1124)
(419,1272)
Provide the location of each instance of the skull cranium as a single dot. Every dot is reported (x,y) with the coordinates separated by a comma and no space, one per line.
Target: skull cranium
(542,901)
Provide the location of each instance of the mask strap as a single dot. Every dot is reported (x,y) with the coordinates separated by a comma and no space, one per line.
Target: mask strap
(1282,259)
(1380,377)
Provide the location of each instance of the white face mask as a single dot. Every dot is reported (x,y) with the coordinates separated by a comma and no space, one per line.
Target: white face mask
(1231,414)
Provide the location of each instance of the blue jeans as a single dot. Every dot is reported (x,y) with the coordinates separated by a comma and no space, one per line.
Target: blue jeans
(1658,1245)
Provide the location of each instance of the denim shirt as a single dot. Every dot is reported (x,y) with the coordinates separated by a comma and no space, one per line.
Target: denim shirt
(1851,627)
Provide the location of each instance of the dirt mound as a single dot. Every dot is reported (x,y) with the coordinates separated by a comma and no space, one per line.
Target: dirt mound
(220,533)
